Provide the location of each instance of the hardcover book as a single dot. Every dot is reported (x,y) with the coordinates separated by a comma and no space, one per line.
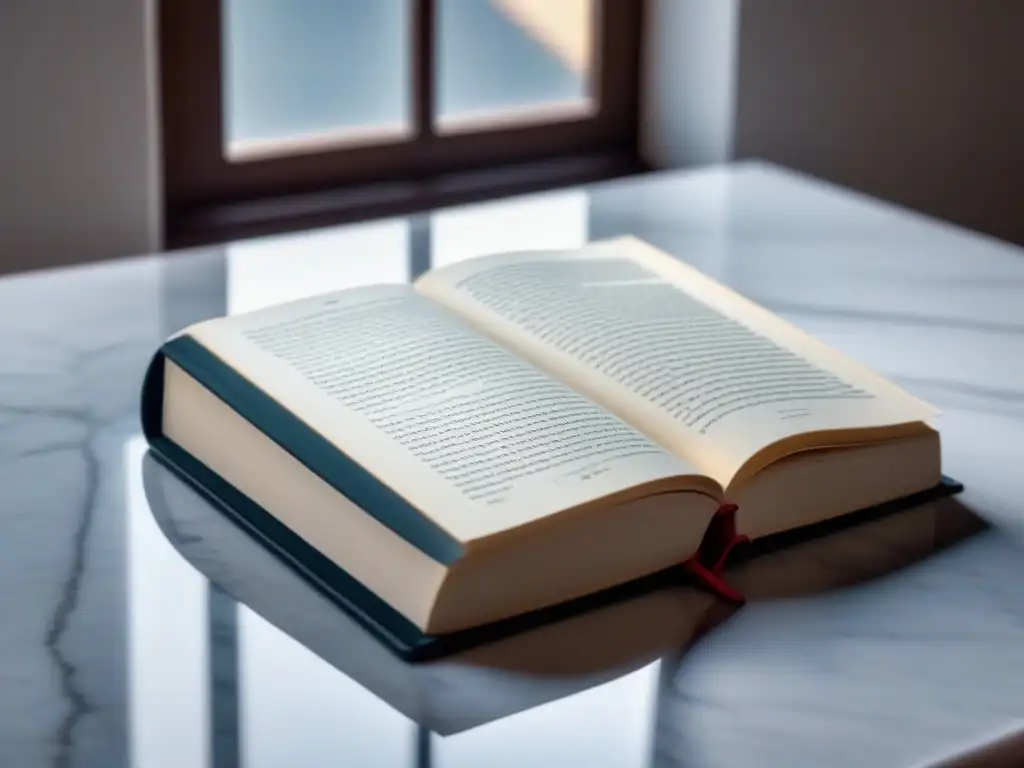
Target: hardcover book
(517,433)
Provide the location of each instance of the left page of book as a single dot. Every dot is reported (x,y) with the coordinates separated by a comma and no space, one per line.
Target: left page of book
(474,437)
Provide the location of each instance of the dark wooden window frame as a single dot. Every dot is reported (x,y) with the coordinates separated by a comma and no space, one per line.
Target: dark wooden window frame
(208,197)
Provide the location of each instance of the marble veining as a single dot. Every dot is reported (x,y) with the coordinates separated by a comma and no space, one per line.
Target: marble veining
(894,665)
(69,365)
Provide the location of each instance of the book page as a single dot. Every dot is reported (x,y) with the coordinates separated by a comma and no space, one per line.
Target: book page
(700,369)
(473,436)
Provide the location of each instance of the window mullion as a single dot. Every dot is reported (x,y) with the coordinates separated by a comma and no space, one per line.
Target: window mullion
(423,34)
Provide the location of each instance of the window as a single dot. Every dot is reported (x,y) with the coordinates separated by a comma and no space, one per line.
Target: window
(279,114)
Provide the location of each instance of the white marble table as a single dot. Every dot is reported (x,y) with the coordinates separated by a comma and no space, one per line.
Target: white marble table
(150,637)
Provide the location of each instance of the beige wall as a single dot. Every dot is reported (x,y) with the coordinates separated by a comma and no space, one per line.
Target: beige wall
(78,171)
(920,102)
(917,101)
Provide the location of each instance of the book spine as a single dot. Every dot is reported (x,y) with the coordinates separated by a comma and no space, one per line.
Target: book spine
(295,437)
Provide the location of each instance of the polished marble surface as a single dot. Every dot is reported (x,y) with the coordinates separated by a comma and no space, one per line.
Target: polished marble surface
(138,629)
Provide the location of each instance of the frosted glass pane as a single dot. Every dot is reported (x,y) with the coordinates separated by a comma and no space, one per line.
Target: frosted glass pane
(314,71)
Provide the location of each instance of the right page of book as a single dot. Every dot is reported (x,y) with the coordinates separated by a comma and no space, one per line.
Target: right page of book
(713,376)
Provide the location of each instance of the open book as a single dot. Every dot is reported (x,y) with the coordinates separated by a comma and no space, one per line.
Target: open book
(519,430)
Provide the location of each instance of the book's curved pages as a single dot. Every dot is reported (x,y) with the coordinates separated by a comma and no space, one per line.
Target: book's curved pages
(402,635)
(526,434)
(408,641)
(706,371)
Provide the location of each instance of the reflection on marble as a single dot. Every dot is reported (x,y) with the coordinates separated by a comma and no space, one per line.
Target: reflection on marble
(908,668)
(271,270)
(170,646)
(72,345)
(613,650)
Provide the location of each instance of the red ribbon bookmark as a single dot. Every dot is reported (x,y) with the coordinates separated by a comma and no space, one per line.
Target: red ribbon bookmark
(708,565)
